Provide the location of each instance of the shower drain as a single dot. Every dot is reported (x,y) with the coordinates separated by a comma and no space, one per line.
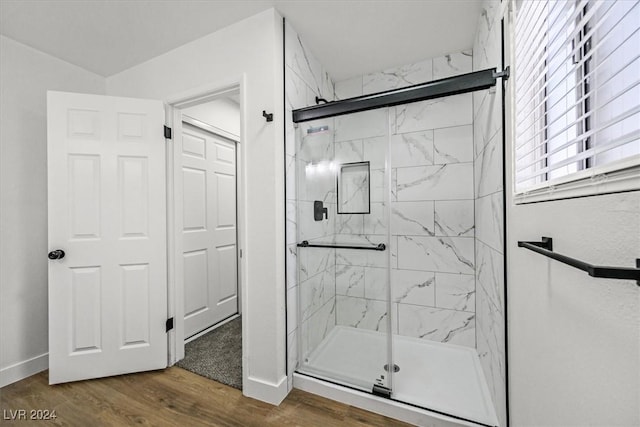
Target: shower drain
(396,368)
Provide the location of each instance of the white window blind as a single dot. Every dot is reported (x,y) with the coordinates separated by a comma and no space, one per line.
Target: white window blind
(577,91)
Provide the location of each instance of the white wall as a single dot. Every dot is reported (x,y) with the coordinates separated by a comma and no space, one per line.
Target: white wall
(250,50)
(222,113)
(25,76)
(574,340)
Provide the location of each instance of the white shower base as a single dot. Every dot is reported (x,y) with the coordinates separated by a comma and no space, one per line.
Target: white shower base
(440,377)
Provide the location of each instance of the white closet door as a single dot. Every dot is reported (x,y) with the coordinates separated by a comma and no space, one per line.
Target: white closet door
(208,175)
(107,212)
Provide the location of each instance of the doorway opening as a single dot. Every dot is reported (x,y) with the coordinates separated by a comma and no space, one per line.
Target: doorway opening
(206,183)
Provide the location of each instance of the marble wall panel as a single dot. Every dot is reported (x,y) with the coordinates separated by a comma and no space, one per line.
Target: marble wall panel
(453,145)
(348,152)
(398,77)
(454,218)
(300,60)
(349,224)
(394,251)
(488,168)
(349,88)
(354,188)
(455,110)
(377,221)
(291,231)
(478,97)
(452,64)
(292,266)
(362,313)
(375,151)
(290,178)
(407,286)
(316,147)
(308,228)
(296,185)
(456,291)
(413,287)
(413,218)
(376,283)
(439,182)
(350,280)
(490,275)
(488,119)
(292,356)
(292,309)
(360,257)
(315,292)
(290,134)
(316,328)
(487,44)
(368,124)
(448,326)
(313,261)
(441,254)
(490,220)
(490,346)
(379,185)
(318,184)
(296,93)
(412,149)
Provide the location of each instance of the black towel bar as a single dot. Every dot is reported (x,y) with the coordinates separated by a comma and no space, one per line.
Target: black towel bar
(545,247)
(306,244)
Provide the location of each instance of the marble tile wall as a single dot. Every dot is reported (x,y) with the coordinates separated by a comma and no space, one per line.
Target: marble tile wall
(312,282)
(431,212)
(488,195)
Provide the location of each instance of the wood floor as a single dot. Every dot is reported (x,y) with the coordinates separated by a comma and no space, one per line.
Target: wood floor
(172,397)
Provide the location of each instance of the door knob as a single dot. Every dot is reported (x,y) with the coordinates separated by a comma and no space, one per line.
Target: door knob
(57,254)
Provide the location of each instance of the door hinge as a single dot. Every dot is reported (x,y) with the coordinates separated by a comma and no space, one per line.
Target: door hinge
(240,253)
(169,324)
(167,132)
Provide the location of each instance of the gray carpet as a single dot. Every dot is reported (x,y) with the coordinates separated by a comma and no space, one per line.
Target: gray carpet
(217,355)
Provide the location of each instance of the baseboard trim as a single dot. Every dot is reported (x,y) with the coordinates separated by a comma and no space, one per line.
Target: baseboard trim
(24,369)
(265,391)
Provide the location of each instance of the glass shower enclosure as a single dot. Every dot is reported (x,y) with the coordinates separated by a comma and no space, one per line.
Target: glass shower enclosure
(344,249)
(386,253)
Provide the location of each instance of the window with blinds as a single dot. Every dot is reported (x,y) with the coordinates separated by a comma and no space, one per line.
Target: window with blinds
(577,94)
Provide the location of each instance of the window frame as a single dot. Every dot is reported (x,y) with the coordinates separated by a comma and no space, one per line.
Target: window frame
(590,178)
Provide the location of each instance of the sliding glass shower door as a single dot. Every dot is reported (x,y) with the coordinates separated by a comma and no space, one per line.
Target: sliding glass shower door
(399,212)
(344,250)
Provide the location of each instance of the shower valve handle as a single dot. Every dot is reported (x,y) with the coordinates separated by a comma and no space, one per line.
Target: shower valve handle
(319,211)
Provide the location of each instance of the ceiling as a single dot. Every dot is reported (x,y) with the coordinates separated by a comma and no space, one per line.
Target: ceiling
(349,37)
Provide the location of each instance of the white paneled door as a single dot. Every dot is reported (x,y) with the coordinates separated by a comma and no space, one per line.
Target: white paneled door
(107,212)
(209,257)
